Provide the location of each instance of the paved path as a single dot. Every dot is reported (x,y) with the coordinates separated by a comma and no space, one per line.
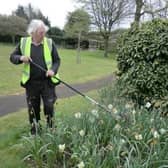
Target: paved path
(13,103)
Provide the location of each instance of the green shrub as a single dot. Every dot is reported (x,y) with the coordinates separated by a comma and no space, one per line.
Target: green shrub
(143,63)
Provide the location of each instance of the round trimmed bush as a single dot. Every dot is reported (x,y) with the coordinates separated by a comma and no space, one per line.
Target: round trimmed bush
(143,63)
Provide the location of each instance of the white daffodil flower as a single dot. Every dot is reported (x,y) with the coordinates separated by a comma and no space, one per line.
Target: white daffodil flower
(127,106)
(61,148)
(133,112)
(101,122)
(152,120)
(110,147)
(82,133)
(117,127)
(148,105)
(110,106)
(77,115)
(138,137)
(156,134)
(122,141)
(95,113)
(81,165)
(115,111)
(162,131)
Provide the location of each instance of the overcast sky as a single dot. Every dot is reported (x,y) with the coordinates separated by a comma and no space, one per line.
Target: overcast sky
(56,10)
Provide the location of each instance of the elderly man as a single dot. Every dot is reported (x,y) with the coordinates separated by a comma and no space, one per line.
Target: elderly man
(38,84)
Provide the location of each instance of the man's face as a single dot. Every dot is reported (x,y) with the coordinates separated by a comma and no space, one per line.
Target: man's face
(39,34)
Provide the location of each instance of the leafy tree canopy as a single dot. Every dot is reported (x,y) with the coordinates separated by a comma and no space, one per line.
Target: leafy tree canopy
(29,13)
(77,21)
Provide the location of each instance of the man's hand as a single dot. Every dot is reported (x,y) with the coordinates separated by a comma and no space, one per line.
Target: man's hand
(25,59)
(50,73)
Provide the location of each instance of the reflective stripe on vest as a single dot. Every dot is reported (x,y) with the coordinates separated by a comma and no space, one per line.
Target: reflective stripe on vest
(25,47)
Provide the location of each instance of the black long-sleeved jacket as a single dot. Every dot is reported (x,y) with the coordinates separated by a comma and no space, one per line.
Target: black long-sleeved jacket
(37,55)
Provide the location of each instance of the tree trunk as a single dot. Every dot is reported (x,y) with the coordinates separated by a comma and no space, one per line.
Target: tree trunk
(13,39)
(106,46)
(139,5)
(78,58)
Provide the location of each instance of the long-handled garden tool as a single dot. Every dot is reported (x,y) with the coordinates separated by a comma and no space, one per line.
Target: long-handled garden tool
(75,90)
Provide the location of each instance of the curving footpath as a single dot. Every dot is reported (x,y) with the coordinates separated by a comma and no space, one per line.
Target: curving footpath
(12,103)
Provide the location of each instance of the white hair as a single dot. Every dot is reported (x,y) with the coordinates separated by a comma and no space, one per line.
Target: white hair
(34,25)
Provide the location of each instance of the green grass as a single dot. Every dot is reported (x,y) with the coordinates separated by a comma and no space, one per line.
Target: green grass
(93,65)
(14,126)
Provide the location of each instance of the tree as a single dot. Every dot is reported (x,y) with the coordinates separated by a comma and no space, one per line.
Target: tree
(12,25)
(55,31)
(57,35)
(105,14)
(29,13)
(149,8)
(20,11)
(77,25)
(139,5)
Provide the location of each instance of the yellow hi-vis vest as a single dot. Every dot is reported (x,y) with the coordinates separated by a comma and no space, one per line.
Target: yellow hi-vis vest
(25,47)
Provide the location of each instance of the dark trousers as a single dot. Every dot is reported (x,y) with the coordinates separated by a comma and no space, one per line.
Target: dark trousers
(35,91)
